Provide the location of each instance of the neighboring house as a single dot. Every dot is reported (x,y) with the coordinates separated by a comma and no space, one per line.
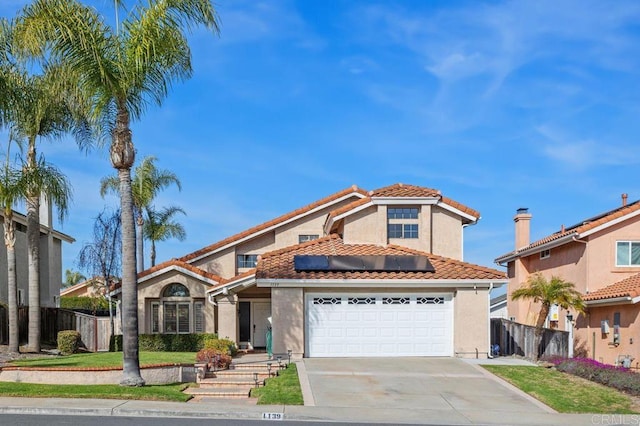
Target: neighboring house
(50,260)
(498,307)
(357,273)
(601,256)
(93,287)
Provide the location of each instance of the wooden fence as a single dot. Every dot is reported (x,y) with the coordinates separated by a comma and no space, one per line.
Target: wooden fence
(94,331)
(518,339)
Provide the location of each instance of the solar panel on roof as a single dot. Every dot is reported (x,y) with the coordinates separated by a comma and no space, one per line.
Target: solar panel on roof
(311,263)
(409,263)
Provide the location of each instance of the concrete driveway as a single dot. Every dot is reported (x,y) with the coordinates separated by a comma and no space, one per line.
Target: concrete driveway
(446,390)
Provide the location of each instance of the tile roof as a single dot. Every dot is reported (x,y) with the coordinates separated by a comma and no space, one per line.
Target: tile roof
(279,263)
(404,190)
(351,190)
(629,287)
(580,228)
(349,207)
(180,264)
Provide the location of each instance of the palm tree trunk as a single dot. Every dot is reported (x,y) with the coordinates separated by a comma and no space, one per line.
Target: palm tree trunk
(140,242)
(33,255)
(12,291)
(122,158)
(542,318)
(153,253)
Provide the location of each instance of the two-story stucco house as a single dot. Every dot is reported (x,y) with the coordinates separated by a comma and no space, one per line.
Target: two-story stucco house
(50,259)
(601,256)
(357,273)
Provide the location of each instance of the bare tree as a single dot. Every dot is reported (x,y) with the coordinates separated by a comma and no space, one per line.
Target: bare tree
(103,256)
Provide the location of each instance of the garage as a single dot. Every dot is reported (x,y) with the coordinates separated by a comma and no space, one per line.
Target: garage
(378,325)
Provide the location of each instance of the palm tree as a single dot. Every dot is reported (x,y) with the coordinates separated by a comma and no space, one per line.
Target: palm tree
(72,278)
(121,72)
(555,291)
(160,226)
(12,190)
(147,181)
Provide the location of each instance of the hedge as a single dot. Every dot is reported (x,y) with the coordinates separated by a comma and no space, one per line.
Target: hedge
(69,342)
(166,342)
(84,303)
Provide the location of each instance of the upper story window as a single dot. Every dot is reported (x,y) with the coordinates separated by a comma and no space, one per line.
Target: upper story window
(402,213)
(309,237)
(628,253)
(402,230)
(544,254)
(247,260)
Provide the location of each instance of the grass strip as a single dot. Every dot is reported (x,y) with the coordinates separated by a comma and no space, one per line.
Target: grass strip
(282,389)
(106,359)
(563,392)
(149,393)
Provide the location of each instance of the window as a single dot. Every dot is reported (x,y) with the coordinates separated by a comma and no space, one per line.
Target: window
(175,290)
(628,253)
(176,317)
(402,213)
(198,317)
(544,254)
(155,318)
(402,230)
(305,238)
(247,260)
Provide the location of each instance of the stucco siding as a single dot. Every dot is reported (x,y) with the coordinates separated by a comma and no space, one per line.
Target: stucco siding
(447,233)
(222,263)
(287,311)
(368,226)
(471,323)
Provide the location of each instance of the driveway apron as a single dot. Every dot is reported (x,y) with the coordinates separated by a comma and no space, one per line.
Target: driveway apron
(441,384)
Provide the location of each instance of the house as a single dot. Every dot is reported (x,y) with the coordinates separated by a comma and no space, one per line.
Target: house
(498,307)
(357,273)
(50,259)
(93,287)
(601,256)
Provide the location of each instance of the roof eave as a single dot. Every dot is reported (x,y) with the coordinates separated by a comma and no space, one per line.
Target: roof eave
(531,250)
(380,283)
(623,300)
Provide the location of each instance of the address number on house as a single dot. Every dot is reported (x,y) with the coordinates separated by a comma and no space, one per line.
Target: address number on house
(272,416)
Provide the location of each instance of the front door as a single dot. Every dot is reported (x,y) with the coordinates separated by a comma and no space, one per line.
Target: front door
(260,318)
(244,314)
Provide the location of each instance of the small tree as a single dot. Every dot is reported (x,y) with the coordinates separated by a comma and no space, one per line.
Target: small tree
(555,291)
(160,226)
(72,278)
(103,256)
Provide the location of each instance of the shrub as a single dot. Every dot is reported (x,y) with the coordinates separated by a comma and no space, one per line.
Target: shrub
(92,304)
(69,342)
(166,342)
(214,357)
(620,378)
(223,345)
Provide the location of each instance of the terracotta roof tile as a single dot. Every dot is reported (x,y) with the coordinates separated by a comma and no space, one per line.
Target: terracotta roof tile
(629,287)
(349,207)
(273,222)
(404,190)
(584,226)
(245,274)
(279,263)
(179,263)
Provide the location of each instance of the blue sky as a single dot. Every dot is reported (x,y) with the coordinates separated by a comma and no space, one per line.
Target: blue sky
(499,104)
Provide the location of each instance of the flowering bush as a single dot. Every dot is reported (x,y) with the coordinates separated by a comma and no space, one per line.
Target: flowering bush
(620,378)
(214,358)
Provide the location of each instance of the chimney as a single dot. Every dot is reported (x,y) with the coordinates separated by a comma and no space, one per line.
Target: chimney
(522,220)
(624,199)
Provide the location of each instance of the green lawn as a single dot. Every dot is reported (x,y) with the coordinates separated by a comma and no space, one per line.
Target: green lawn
(283,389)
(107,359)
(151,393)
(564,392)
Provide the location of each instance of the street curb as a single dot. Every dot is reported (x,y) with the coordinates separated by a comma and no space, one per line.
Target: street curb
(305,386)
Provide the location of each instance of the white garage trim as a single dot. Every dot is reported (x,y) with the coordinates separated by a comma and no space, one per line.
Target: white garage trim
(340,324)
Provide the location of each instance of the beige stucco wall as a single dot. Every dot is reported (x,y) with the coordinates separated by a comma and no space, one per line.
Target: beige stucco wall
(228,317)
(222,263)
(287,311)
(588,336)
(151,290)
(447,233)
(471,323)
(368,226)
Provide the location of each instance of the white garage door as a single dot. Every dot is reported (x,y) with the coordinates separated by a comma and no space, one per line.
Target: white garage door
(354,325)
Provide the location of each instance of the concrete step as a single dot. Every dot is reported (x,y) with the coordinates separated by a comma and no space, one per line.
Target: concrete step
(229,383)
(233,392)
(258,366)
(239,374)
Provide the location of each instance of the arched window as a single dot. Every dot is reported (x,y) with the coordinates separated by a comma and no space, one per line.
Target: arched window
(175,290)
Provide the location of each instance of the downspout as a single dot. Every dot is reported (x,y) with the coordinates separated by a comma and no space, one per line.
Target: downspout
(489,352)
